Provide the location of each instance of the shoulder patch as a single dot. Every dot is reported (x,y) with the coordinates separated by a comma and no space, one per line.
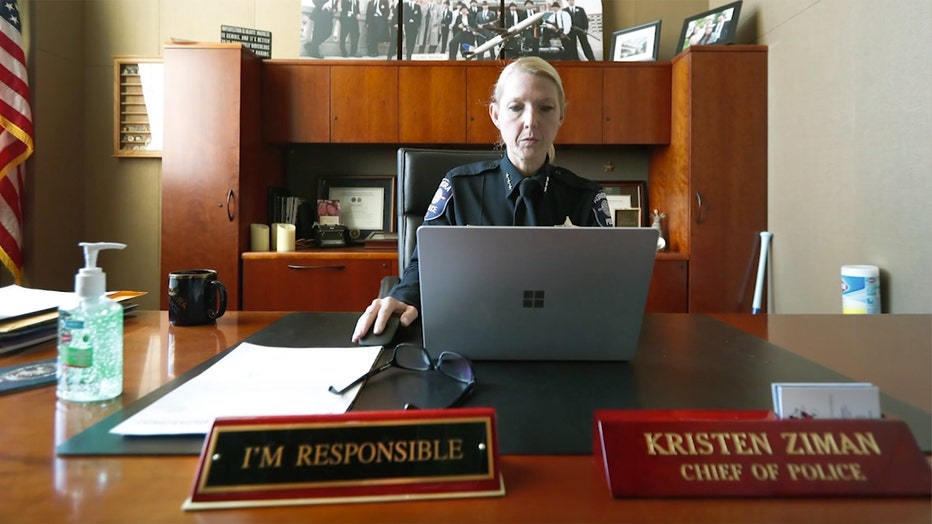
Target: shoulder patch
(601,209)
(441,198)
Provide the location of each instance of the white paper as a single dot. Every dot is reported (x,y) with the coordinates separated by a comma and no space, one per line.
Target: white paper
(616,202)
(256,381)
(16,301)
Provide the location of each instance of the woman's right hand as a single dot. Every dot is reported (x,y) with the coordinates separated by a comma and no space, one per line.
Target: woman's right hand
(376,316)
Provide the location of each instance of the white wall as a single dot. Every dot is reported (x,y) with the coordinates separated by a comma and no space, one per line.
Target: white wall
(850,154)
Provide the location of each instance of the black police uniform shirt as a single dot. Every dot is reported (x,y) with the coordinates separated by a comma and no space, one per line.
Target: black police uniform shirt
(484,194)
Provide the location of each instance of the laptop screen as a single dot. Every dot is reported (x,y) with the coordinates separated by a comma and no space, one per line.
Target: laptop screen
(534,293)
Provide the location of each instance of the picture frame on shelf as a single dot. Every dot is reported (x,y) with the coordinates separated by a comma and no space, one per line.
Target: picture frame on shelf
(713,27)
(640,43)
(627,218)
(367,203)
(627,200)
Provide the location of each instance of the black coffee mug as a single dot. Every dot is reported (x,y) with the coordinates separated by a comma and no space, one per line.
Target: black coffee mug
(195,297)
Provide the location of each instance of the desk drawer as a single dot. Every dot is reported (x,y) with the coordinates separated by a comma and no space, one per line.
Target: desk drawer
(324,281)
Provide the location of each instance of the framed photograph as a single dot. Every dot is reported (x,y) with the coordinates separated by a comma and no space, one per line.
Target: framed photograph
(628,218)
(627,201)
(636,44)
(366,203)
(716,26)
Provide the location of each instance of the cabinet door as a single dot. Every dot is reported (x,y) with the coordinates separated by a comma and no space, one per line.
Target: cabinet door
(295,103)
(201,163)
(432,107)
(728,176)
(364,103)
(480,77)
(636,103)
(668,287)
(295,282)
(583,87)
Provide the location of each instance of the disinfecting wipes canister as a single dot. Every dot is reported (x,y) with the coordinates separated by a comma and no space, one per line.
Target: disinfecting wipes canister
(860,290)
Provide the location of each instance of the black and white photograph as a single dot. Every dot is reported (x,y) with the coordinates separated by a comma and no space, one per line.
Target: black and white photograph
(451,29)
(716,26)
(636,44)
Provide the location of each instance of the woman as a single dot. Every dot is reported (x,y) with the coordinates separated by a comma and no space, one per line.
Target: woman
(528,107)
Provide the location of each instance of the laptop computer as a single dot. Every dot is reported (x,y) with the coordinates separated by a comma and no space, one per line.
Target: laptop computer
(534,293)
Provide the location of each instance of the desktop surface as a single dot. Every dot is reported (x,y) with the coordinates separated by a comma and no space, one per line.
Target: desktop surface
(39,486)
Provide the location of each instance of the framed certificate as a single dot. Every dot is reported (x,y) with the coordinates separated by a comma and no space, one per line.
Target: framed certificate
(367,203)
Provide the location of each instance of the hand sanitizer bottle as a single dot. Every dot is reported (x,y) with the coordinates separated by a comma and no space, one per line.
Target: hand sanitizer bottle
(90,335)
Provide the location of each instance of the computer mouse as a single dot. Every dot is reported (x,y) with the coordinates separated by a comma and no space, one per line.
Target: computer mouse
(385,337)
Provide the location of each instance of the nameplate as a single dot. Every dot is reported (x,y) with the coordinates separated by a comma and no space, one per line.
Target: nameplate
(649,453)
(352,457)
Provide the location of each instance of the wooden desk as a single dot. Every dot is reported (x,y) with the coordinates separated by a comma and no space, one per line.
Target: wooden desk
(37,486)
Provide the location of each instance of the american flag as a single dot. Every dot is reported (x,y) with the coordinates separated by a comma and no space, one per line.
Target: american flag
(15,137)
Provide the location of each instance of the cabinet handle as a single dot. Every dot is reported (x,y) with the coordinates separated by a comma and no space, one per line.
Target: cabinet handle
(231,203)
(699,210)
(312,268)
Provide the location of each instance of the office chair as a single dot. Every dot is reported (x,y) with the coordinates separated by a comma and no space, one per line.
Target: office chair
(419,174)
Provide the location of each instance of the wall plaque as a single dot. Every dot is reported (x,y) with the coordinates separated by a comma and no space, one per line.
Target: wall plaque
(256,40)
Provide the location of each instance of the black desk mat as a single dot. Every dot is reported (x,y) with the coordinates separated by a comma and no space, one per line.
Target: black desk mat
(683,362)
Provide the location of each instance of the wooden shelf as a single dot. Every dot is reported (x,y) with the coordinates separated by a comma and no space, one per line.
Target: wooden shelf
(133,119)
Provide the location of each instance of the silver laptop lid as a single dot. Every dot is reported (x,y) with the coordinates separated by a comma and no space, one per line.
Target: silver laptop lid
(534,293)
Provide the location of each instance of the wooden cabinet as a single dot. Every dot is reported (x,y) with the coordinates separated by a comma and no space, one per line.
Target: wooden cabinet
(295,103)
(702,116)
(411,103)
(363,104)
(668,285)
(215,171)
(315,280)
(711,181)
(479,127)
(636,103)
(432,103)
(583,86)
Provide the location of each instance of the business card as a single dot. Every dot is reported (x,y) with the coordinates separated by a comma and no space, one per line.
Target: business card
(841,400)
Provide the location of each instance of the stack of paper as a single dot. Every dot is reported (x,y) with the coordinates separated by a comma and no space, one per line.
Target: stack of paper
(30,316)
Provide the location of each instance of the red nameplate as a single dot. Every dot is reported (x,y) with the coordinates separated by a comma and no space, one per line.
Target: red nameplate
(752,453)
(352,457)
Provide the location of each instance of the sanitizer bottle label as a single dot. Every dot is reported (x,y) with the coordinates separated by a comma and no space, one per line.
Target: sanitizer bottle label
(73,345)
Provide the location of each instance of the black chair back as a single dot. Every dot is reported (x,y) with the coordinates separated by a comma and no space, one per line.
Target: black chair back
(419,174)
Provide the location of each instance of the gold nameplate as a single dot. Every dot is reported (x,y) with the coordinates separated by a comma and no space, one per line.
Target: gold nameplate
(352,457)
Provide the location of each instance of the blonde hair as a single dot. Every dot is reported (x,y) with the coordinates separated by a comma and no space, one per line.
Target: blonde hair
(533,65)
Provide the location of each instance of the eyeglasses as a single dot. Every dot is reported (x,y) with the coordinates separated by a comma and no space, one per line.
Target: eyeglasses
(415,358)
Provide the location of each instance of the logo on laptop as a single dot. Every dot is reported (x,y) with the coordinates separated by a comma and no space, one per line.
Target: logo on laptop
(533,298)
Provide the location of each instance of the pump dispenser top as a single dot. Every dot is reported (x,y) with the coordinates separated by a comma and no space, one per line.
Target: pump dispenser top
(91,281)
